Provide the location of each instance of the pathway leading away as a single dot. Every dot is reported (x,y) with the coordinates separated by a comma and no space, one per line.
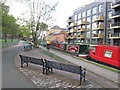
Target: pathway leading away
(11,76)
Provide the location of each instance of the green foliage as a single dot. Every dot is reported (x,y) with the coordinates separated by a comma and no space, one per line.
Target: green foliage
(25,31)
(9,25)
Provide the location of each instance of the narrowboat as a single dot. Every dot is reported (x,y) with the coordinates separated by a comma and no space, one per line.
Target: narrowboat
(106,54)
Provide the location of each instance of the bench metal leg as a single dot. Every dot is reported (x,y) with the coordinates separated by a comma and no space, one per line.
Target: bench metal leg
(80,79)
(84,77)
(43,70)
(21,63)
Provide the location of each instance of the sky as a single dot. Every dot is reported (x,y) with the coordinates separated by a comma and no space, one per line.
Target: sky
(64,9)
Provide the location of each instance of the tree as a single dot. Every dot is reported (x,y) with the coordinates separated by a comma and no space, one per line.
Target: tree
(9,26)
(40,13)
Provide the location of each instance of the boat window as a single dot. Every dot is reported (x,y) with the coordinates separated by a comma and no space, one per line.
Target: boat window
(108,53)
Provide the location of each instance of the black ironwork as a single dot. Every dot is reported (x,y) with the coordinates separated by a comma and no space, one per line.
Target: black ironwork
(49,65)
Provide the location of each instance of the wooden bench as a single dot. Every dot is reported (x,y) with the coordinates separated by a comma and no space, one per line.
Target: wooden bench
(65,67)
(49,65)
(27,47)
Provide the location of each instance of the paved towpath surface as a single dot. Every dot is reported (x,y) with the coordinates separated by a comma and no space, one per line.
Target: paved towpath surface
(62,75)
(109,75)
(11,76)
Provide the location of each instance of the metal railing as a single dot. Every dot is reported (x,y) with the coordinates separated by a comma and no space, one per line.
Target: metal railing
(117,2)
(116,13)
(115,24)
(115,35)
(6,44)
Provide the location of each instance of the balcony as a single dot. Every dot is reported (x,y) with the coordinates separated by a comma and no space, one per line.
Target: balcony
(74,24)
(115,15)
(97,36)
(67,32)
(99,19)
(81,37)
(73,30)
(83,23)
(81,29)
(68,26)
(114,36)
(99,27)
(72,37)
(67,37)
(115,25)
(115,5)
(69,21)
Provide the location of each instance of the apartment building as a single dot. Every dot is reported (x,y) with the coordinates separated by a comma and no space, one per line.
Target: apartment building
(114,31)
(94,23)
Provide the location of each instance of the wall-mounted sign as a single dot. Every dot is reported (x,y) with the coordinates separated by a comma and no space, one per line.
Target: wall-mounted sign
(73,48)
(108,53)
(61,46)
(56,45)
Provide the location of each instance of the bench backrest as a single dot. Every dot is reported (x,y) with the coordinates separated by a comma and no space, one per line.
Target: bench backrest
(31,60)
(53,64)
(64,67)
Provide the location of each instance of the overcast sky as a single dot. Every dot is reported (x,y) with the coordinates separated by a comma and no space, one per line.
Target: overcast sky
(63,10)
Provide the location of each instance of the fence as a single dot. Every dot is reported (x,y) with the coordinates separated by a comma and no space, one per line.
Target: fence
(6,44)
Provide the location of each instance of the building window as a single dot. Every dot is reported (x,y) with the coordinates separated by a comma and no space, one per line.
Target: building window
(79,21)
(88,19)
(75,34)
(79,15)
(75,27)
(79,33)
(93,18)
(83,19)
(94,10)
(88,34)
(100,8)
(109,14)
(75,17)
(83,14)
(94,25)
(88,27)
(94,32)
(83,26)
(89,12)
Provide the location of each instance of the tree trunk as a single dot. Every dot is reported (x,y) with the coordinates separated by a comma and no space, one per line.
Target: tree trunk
(12,38)
(5,38)
(35,41)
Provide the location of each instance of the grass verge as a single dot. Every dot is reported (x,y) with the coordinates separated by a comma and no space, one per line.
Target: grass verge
(56,57)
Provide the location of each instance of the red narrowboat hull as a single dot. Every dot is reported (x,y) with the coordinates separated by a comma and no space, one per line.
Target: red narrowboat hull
(107,54)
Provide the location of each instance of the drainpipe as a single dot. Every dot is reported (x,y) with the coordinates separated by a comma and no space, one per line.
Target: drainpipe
(106,22)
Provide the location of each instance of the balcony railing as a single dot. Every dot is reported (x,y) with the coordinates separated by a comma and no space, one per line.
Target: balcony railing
(69,21)
(115,25)
(73,30)
(80,36)
(72,37)
(115,14)
(99,18)
(116,4)
(83,23)
(99,27)
(97,36)
(68,26)
(116,35)
(67,37)
(81,29)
